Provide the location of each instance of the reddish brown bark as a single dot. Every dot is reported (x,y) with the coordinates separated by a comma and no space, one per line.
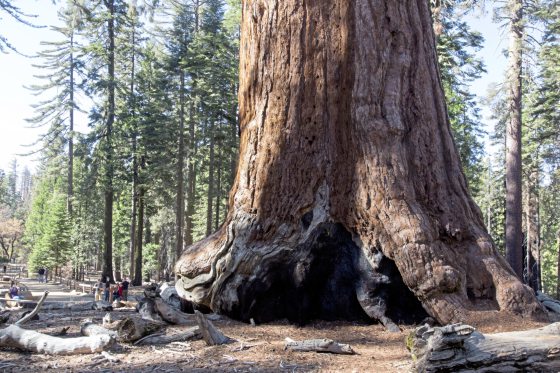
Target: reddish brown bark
(348,178)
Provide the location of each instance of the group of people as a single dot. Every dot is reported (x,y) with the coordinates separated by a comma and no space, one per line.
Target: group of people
(110,292)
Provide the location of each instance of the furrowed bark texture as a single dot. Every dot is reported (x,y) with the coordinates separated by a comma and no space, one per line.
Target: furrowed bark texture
(349,200)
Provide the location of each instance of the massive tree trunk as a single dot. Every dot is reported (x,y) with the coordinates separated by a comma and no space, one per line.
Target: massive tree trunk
(514,209)
(349,200)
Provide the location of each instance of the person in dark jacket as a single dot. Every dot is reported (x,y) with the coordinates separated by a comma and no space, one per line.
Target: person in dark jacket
(125,284)
(107,289)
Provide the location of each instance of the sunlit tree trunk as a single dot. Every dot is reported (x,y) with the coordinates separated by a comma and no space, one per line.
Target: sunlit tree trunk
(514,208)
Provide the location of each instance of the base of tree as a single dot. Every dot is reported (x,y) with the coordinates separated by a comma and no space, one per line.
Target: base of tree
(324,277)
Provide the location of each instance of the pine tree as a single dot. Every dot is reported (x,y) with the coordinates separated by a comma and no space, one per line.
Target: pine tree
(457,45)
(53,248)
(63,63)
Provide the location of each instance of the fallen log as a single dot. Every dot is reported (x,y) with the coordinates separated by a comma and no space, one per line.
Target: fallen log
(124,304)
(211,335)
(551,304)
(318,345)
(172,315)
(29,340)
(460,348)
(89,328)
(34,312)
(127,330)
(158,339)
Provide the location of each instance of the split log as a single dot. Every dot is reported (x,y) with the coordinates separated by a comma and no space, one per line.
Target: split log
(172,315)
(127,330)
(147,309)
(319,345)
(168,293)
(460,348)
(29,340)
(211,335)
(158,339)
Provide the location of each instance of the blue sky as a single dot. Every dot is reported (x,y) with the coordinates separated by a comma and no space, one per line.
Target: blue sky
(17,71)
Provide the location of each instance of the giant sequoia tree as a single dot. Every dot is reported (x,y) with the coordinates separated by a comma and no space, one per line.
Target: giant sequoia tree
(349,200)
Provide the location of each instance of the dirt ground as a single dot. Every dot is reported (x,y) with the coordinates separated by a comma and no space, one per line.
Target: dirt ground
(257,348)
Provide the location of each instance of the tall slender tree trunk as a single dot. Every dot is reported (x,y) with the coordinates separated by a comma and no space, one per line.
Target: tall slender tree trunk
(349,200)
(180,204)
(514,208)
(70,188)
(191,184)
(558,265)
(108,216)
(218,189)
(489,196)
(137,280)
(539,254)
(234,130)
(118,268)
(210,196)
(133,214)
(192,146)
(532,229)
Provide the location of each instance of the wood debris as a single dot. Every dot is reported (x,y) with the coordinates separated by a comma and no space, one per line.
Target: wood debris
(318,345)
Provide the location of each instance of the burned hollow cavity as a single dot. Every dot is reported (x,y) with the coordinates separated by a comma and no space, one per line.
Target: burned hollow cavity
(327,277)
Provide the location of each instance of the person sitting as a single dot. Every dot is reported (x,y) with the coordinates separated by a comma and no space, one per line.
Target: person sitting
(14,291)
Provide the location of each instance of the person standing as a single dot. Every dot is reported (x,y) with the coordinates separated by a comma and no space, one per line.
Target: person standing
(125,284)
(107,289)
(41,273)
(99,289)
